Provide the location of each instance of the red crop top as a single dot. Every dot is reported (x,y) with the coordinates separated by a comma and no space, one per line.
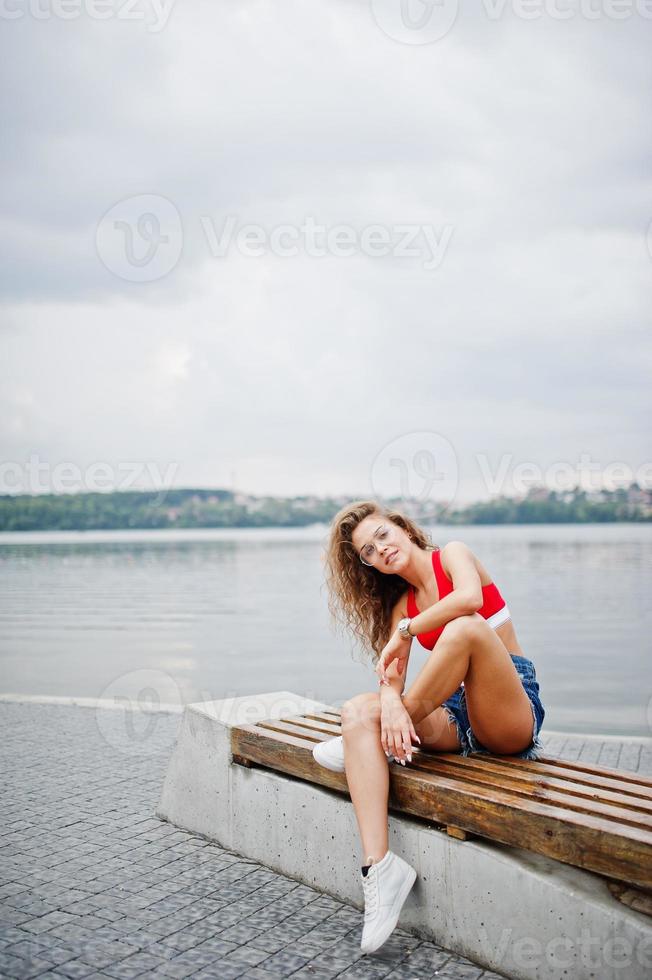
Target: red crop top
(494,608)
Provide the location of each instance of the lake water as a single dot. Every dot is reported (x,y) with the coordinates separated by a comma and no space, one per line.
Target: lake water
(198,615)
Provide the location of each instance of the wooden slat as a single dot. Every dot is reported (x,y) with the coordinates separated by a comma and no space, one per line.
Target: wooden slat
(585,840)
(628,782)
(607,779)
(562,780)
(331,717)
(317,728)
(601,775)
(546,791)
(552,790)
(255,743)
(278,751)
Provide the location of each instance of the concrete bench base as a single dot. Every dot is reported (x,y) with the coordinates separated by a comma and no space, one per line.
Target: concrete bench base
(505,908)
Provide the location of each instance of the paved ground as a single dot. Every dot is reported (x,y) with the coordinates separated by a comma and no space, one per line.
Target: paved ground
(93,886)
(633,755)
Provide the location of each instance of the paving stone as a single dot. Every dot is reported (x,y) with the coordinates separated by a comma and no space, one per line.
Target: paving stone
(179,942)
(142,938)
(243,932)
(248,955)
(22,968)
(134,966)
(26,947)
(76,969)
(271,941)
(217,946)
(459,971)
(222,971)
(428,957)
(67,932)
(13,917)
(370,967)
(335,960)
(405,972)
(257,973)
(182,966)
(50,975)
(285,960)
(303,947)
(11,934)
(309,972)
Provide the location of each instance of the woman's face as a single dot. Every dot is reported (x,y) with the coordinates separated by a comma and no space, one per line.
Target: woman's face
(382,544)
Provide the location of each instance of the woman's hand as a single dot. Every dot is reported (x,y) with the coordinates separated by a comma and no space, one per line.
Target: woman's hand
(397,649)
(396,729)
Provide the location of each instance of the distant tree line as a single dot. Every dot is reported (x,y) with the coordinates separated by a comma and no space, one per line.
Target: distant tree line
(187,508)
(578,508)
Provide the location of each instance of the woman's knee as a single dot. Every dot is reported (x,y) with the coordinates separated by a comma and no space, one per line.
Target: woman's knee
(463,627)
(361,711)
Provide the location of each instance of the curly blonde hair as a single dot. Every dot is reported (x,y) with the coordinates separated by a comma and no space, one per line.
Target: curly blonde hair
(361,598)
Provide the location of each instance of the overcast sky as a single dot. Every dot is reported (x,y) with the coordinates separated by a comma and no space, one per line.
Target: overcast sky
(449,273)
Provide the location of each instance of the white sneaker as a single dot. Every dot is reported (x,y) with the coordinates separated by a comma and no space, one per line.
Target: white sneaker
(385,887)
(330,753)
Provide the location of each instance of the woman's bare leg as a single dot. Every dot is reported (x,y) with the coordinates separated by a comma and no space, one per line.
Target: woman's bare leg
(499,710)
(367,772)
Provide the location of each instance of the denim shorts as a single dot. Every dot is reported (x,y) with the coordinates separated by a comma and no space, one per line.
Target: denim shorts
(471,745)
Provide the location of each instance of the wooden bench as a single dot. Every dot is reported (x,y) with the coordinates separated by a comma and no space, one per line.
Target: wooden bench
(594,818)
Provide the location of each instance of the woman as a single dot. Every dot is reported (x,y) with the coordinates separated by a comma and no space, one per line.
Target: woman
(390,585)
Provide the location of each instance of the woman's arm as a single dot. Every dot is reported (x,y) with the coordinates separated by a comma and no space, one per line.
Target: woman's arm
(396,681)
(466,597)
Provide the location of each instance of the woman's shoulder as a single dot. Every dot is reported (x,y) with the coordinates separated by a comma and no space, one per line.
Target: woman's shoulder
(452,546)
(457,555)
(455,552)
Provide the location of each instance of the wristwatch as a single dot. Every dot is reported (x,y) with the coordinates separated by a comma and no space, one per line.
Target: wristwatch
(404,629)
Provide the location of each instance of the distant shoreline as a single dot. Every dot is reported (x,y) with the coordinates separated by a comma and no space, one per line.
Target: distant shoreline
(312,534)
(188,509)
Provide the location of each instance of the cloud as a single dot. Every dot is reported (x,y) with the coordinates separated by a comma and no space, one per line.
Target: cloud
(530,337)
